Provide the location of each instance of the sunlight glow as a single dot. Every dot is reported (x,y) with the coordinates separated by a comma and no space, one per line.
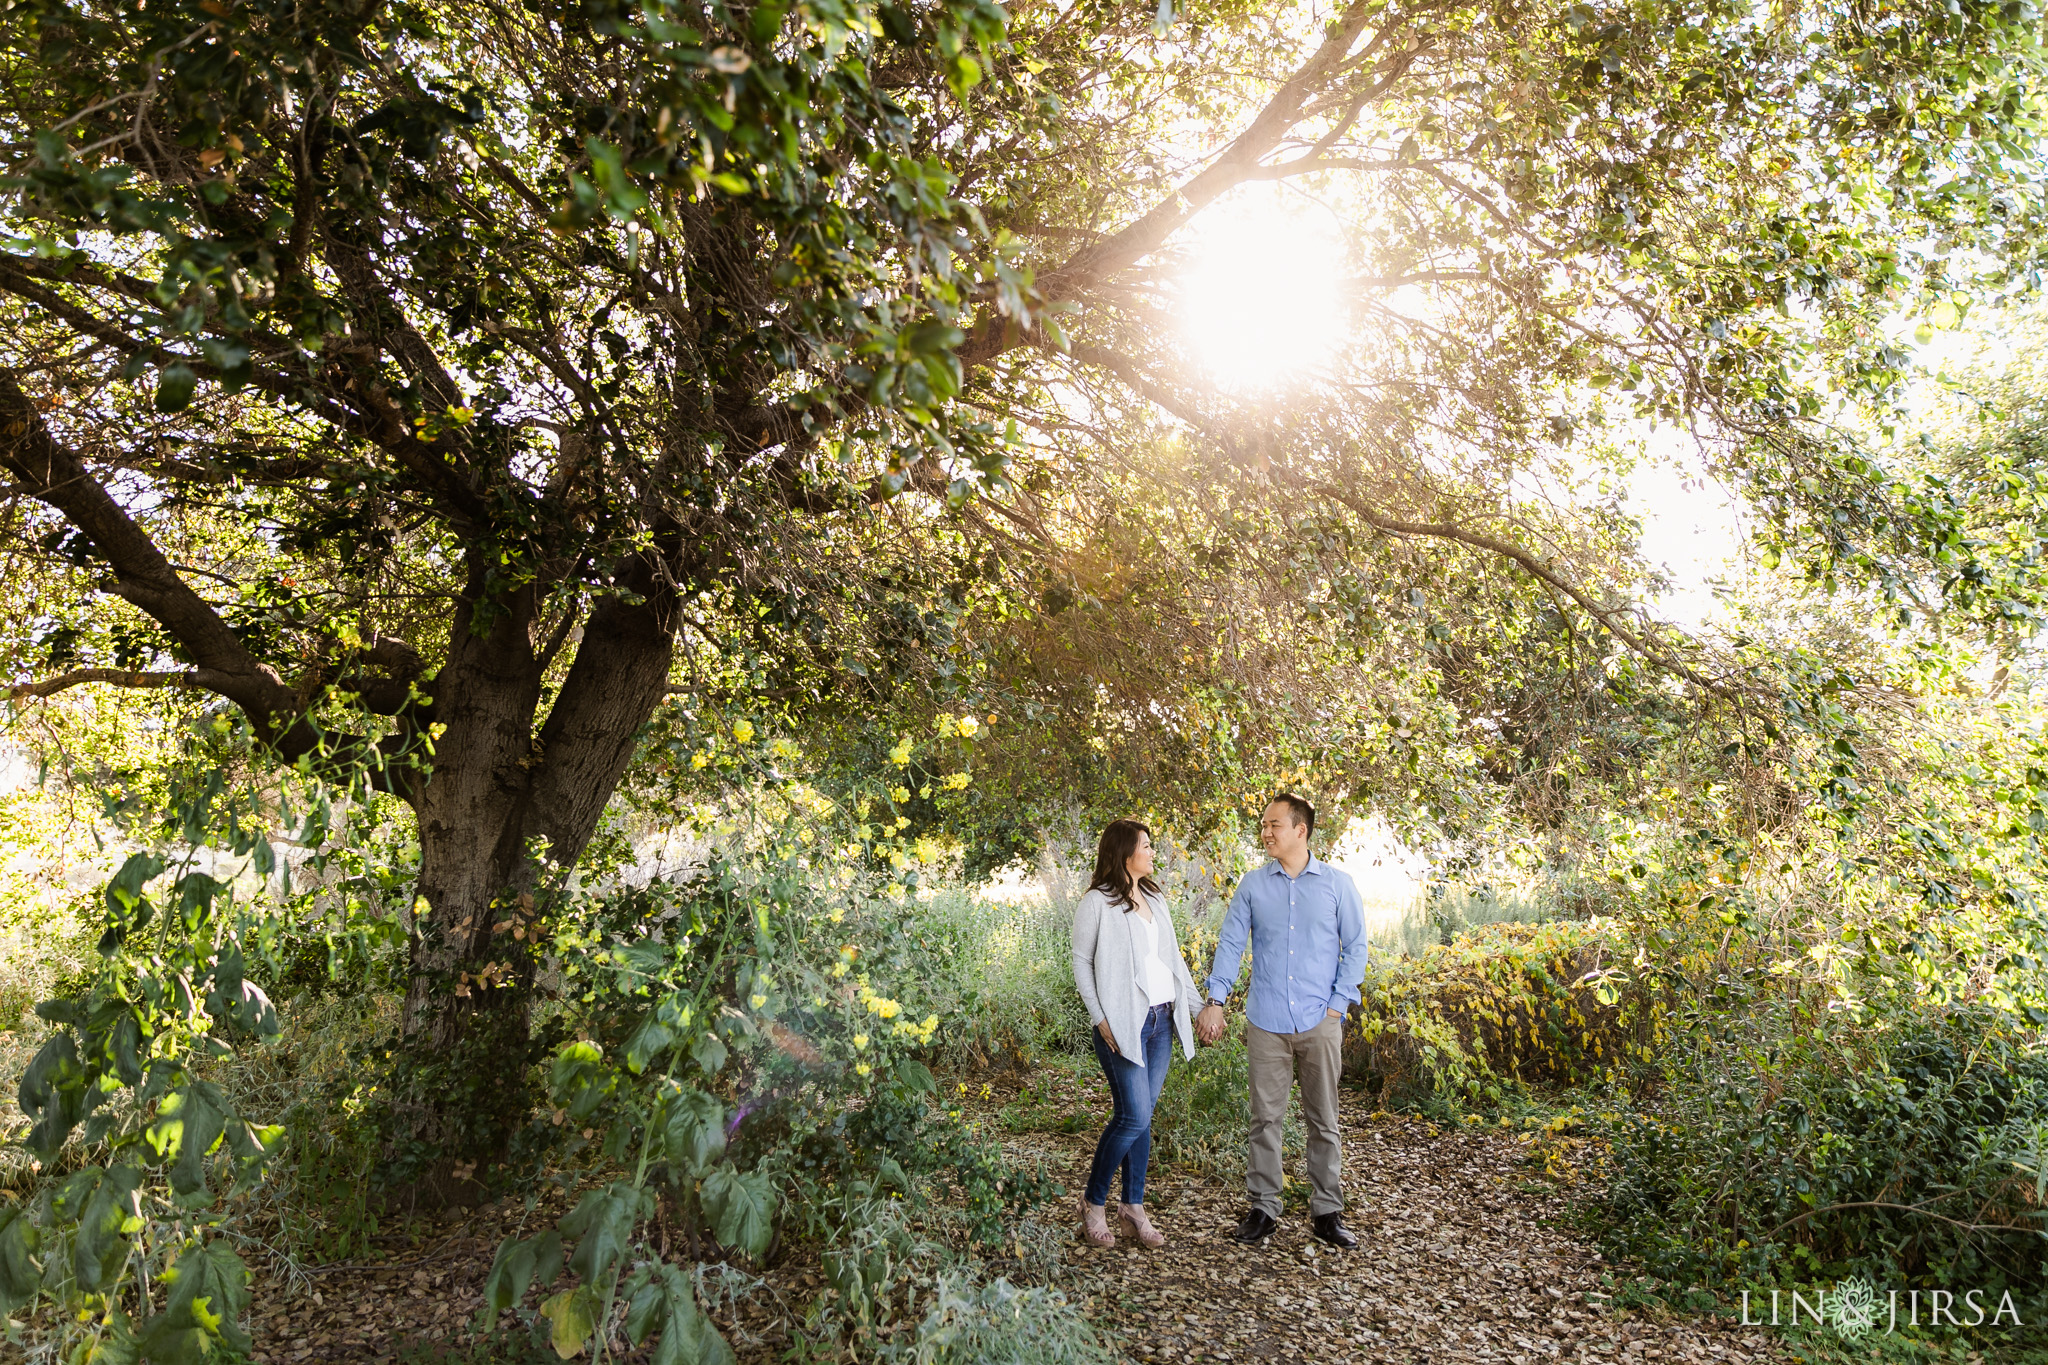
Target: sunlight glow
(1263,300)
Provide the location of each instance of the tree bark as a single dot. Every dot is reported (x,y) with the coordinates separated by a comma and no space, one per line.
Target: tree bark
(501,809)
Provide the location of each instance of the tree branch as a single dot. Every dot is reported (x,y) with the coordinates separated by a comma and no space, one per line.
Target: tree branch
(199,678)
(1127,371)
(1536,568)
(55,475)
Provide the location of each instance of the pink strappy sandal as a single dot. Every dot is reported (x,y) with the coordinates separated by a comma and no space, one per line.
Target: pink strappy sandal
(1095,1225)
(1141,1225)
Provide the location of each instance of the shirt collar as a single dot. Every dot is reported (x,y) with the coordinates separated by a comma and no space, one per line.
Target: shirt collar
(1313,868)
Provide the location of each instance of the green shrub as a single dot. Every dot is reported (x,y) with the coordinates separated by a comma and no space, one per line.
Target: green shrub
(1498,1008)
(1914,1158)
(1001,1324)
(1002,974)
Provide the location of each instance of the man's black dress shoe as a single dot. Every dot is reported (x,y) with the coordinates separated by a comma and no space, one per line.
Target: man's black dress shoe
(1255,1226)
(1330,1228)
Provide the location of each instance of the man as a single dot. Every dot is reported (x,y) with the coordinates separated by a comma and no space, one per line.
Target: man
(1307,930)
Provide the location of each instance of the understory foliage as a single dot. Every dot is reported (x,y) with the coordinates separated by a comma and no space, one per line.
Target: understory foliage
(1500,1009)
(1914,1156)
(736,1063)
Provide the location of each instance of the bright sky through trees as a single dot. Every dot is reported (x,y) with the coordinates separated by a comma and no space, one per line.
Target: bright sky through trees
(1262,297)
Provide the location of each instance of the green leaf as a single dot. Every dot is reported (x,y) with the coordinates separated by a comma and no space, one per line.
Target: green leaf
(646,1303)
(649,1041)
(602,1224)
(105,1230)
(20,1274)
(691,1339)
(709,1053)
(58,1093)
(692,1126)
(209,1295)
(124,890)
(741,1208)
(174,386)
(579,1078)
(188,1124)
(917,1076)
(574,1317)
(768,19)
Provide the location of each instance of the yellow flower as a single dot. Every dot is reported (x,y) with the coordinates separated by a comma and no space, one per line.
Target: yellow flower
(925,792)
(930,1024)
(954,782)
(860,1040)
(899,794)
(948,727)
(968,725)
(700,760)
(838,969)
(782,748)
(963,1087)
(900,755)
(743,731)
(759,1000)
(862,1068)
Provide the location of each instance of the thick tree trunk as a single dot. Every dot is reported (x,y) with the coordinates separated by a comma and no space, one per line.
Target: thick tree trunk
(500,807)
(458,1076)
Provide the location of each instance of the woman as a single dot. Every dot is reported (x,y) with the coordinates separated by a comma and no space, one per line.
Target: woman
(1128,967)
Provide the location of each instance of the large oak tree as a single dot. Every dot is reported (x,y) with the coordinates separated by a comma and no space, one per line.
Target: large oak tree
(475,368)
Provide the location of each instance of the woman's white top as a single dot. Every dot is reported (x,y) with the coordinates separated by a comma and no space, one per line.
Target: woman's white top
(1153,972)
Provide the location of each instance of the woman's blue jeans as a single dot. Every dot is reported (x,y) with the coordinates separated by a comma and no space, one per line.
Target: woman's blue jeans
(1133,1094)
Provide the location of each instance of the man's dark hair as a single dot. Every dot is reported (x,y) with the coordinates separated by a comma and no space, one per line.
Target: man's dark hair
(1304,813)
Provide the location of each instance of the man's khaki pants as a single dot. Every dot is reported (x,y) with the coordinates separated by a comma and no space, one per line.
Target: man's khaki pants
(1275,1059)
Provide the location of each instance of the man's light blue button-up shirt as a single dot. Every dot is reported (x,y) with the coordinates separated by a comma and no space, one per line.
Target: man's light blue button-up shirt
(1307,937)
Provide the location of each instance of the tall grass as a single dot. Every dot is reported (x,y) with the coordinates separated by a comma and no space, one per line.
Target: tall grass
(1009,973)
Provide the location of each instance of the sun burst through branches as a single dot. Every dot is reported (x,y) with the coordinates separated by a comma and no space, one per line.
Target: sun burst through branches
(1262,298)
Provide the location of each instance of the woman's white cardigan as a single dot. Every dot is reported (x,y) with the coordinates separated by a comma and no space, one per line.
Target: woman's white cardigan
(1106,971)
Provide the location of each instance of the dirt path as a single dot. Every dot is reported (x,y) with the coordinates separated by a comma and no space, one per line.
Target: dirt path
(1462,1260)
(1458,1262)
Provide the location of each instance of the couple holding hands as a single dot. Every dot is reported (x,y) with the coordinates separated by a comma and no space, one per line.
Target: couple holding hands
(1306,928)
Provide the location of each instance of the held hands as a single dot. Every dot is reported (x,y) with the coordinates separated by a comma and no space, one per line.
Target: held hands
(1210,1022)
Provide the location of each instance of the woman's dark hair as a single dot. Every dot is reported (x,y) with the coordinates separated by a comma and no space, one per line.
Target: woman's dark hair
(1112,878)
